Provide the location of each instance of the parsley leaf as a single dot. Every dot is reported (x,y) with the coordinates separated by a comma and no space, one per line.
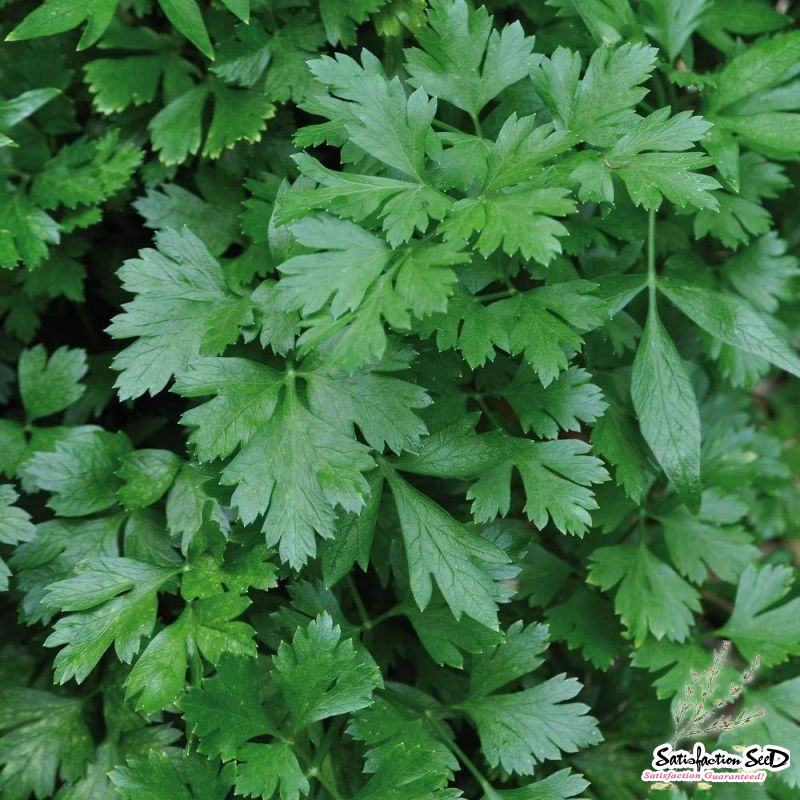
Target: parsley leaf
(509,661)
(80,473)
(522,729)
(109,601)
(732,320)
(292,465)
(206,626)
(42,735)
(709,541)
(463,60)
(667,408)
(183,308)
(50,385)
(456,557)
(755,627)
(652,597)
(322,675)
(215,711)
(15,526)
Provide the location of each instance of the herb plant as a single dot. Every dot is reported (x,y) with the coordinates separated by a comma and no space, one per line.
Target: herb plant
(399,394)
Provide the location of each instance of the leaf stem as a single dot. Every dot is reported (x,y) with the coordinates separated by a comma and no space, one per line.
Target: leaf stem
(366,622)
(461,755)
(490,415)
(445,126)
(477,123)
(501,295)
(333,732)
(395,611)
(315,773)
(652,276)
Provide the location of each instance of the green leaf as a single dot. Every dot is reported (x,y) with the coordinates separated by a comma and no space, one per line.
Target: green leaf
(25,231)
(556,476)
(510,660)
(293,466)
(779,723)
(649,177)
(50,385)
(118,83)
(616,438)
(519,730)
(57,16)
(455,556)
(173,207)
(732,320)
(747,17)
(586,622)
(352,541)
(348,261)
(289,76)
(265,770)
(411,772)
(186,17)
(463,60)
(651,598)
(609,21)
(176,131)
(405,206)
(340,20)
(86,172)
(544,324)
(42,736)
(446,639)
(52,554)
(157,778)
(519,221)
(15,526)
(672,22)
(563,405)
(321,675)
(182,309)
(682,659)
(207,626)
(147,475)
(661,132)
(247,395)
(382,407)
(561,785)
(468,326)
(756,626)
(666,405)
(111,601)
(757,68)
(389,731)
(239,115)
(521,150)
(241,568)
(763,273)
(600,107)
(375,113)
(80,475)
(22,106)
(710,541)
(279,327)
(191,508)
(215,711)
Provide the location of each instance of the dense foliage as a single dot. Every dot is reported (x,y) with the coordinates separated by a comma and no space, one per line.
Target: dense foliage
(399,396)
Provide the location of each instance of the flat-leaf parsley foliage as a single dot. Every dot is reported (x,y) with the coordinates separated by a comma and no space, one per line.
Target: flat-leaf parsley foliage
(399,394)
